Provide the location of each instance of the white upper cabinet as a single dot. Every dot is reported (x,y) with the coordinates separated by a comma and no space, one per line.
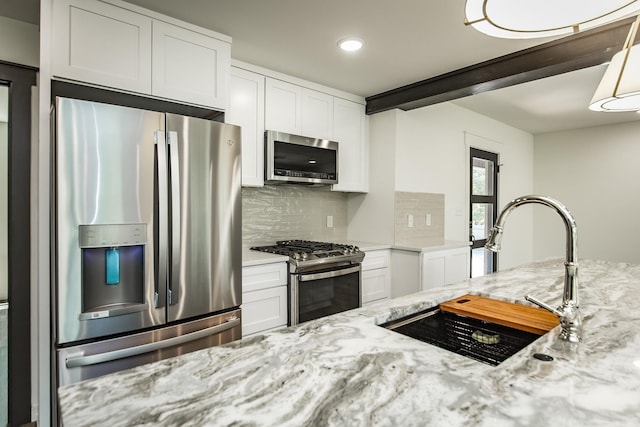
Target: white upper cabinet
(283,107)
(299,110)
(349,130)
(103,44)
(293,109)
(189,66)
(246,109)
(317,114)
(108,45)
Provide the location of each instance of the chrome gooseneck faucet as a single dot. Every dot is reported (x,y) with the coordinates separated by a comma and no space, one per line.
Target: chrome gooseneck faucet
(568,312)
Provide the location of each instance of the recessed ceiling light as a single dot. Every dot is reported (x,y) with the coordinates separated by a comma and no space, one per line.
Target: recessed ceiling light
(350,44)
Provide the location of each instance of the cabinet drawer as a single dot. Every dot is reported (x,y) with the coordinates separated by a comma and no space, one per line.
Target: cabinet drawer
(375,259)
(263,310)
(264,276)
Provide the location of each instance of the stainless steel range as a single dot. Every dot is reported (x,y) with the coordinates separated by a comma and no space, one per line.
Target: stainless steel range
(324,278)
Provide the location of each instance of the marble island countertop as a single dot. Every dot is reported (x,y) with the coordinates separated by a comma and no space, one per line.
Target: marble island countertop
(345,370)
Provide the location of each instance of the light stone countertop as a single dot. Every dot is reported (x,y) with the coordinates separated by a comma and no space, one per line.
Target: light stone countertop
(343,370)
(430,247)
(251,258)
(369,246)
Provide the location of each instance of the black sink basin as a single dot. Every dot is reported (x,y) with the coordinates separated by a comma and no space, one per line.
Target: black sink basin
(473,338)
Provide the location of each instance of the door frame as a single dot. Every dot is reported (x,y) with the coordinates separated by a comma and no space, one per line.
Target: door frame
(493,199)
(20,80)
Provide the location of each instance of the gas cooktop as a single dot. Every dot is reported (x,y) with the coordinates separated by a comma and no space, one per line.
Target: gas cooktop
(308,252)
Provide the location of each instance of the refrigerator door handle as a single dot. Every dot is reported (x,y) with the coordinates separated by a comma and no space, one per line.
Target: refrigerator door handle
(163,177)
(174,159)
(76,361)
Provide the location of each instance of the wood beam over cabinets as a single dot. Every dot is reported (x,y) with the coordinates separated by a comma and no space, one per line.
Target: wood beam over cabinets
(581,50)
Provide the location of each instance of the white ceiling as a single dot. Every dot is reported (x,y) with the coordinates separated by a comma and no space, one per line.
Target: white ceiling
(548,105)
(405,41)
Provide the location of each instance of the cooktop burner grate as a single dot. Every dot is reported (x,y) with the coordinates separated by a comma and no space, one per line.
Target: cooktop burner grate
(288,247)
(309,252)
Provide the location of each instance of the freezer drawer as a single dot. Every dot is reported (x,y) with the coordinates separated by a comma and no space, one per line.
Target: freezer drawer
(91,360)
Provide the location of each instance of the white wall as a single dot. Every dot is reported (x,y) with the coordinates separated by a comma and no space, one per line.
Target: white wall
(19,42)
(594,172)
(427,150)
(433,157)
(371,216)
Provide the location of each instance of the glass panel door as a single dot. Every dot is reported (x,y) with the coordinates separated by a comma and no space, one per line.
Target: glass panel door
(483,209)
(324,293)
(4,277)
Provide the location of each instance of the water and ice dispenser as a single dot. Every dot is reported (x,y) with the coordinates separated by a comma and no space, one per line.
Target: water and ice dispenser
(112,269)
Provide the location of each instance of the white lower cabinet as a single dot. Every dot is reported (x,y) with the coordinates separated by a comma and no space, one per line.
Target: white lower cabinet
(376,276)
(264,310)
(264,298)
(405,272)
(445,267)
(415,271)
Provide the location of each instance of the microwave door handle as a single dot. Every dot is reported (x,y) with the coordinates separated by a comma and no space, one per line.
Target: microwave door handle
(174,284)
(78,360)
(161,279)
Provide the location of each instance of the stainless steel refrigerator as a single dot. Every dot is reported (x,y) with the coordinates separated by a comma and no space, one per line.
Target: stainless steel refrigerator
(147,236)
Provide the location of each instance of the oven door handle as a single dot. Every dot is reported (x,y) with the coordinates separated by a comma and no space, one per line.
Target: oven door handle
(328,274)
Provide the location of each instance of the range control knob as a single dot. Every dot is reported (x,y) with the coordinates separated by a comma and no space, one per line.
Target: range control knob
(296,256)
(304,255)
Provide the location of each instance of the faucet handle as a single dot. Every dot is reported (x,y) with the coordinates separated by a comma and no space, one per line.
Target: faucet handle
(543,305)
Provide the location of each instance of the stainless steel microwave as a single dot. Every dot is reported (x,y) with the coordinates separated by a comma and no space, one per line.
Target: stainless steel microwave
(300,159)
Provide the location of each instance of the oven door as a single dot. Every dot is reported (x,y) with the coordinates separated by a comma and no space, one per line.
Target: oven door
(322,293)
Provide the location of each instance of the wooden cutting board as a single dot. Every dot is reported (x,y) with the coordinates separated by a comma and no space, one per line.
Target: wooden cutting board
(518,316)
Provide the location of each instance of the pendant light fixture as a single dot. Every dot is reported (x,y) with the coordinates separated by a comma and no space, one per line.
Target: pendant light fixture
(524,19)
(619,89)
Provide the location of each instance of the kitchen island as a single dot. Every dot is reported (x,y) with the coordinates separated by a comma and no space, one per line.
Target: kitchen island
(345,370)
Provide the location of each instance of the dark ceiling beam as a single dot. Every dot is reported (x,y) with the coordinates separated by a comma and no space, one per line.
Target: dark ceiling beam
(581,50)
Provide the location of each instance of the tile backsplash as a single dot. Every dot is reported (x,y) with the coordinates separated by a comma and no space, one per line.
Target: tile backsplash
(419,208)
(279,212)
